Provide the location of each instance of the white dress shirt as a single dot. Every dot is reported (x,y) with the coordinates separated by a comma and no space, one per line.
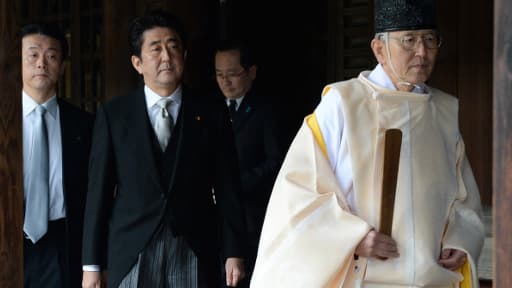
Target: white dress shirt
(57,207)
(153,108)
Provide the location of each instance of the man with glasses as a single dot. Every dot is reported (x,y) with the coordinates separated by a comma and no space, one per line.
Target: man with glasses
(256,135)
(323,219)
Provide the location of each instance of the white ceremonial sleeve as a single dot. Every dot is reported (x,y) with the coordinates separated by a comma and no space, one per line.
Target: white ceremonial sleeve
(465,230)
(309,235)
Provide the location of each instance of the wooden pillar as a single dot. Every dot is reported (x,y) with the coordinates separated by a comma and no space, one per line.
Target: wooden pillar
(11,187)
(502,143)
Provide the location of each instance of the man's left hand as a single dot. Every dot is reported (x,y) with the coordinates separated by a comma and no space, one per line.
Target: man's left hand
(235,271)
(452,259)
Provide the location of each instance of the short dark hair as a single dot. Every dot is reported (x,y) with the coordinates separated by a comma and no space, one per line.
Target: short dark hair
(151,20)
(47,30)
(247,56)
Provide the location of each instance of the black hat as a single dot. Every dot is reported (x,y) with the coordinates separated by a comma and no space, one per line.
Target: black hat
(400,15)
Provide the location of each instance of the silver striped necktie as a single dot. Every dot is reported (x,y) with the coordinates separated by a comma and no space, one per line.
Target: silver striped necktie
(164,123)
(37,203)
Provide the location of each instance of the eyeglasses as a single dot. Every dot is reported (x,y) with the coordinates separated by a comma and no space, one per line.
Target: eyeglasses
(229,75)
(410,42)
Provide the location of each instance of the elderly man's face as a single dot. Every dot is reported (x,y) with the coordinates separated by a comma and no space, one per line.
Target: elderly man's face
(412,54)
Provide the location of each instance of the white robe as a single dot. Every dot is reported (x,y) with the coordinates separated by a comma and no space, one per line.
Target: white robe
(312,228)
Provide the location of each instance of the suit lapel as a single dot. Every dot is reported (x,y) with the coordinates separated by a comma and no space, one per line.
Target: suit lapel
(244,112)
(140,123)
(70,137)
(183,122)
(189,137)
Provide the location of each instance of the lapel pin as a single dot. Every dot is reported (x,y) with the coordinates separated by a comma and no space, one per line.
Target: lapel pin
(248,109)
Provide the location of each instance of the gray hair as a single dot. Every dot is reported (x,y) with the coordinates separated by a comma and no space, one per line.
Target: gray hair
(383,36)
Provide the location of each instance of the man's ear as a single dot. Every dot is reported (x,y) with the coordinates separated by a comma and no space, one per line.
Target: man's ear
(378,48)
(137,64)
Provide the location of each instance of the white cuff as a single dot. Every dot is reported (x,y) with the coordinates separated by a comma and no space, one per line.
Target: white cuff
(91,268)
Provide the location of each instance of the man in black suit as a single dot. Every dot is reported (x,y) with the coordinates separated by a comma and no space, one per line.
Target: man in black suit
(256,135)
(169,154)
(56,143)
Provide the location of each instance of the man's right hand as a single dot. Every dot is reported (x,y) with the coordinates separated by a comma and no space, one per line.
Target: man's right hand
(377,245)
(91,279)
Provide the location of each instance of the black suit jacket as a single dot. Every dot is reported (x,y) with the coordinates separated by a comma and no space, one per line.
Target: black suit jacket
(260,156)
(76,128)
(122,157)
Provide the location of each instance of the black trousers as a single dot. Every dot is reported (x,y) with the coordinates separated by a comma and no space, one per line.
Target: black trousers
(45,261)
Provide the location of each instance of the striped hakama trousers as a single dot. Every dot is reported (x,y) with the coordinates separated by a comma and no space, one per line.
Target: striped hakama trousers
(166,262)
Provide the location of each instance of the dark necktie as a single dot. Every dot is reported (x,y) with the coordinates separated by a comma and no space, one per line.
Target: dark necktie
(37,208)
(232,108)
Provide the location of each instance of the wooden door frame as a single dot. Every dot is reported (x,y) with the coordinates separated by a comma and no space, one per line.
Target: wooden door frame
(502,136)
(11,164)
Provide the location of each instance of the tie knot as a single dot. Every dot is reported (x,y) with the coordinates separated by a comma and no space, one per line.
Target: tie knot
(162,103)
(232,103)
(40,110)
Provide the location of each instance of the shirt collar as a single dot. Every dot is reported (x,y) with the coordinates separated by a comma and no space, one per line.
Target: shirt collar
(380,77)
(29,105)
(238,101)
(152,97)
